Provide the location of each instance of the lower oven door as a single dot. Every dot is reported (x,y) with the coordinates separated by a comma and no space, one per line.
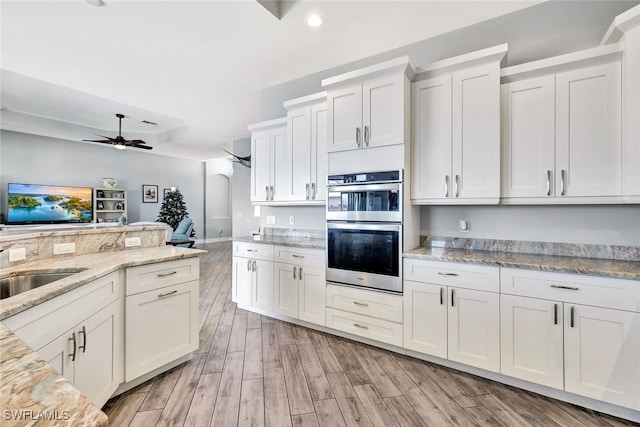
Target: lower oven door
(365,254)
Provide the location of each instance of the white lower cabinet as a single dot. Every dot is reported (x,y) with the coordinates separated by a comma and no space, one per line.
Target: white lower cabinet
(162,315)
(564,341)
(252,275)
(87,325)
(369,314)
(460,323)
(299,284)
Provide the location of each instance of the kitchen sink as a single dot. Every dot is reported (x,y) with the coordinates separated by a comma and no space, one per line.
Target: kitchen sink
(14,285)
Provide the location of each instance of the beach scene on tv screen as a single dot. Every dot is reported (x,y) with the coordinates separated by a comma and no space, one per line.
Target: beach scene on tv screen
(47,203)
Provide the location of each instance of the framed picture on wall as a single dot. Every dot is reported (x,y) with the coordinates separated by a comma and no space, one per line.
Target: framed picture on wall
(149,193)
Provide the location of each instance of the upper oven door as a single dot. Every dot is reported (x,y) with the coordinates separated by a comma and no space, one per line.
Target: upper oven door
(365,202)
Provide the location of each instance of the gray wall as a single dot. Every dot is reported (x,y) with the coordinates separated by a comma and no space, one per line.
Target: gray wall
(544,30)
(42,160)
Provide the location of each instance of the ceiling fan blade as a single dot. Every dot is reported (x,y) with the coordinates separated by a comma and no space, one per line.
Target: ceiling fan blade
(136,141)
(108,137)
(146,147)
(104,141)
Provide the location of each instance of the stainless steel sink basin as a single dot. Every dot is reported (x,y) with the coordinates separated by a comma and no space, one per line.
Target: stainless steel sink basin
(14,285)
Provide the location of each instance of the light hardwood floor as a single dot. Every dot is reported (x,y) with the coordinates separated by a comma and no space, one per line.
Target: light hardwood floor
(251,370)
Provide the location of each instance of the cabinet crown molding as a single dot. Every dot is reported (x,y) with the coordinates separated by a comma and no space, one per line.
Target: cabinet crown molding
(621,24)
(478,57)
(267,124)
(305,101)
(584,58)
(401,64)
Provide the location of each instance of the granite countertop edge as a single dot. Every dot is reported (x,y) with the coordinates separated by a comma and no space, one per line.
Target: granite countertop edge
(296,242)
(550,263)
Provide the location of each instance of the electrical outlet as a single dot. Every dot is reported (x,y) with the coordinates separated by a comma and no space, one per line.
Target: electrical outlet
(64,248)
(465,225)
(17,254)
(130,242)
(271,220)
(292,220)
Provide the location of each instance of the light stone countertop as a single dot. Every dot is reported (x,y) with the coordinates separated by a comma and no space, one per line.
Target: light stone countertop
(28,383)
(559,264)
(279,240)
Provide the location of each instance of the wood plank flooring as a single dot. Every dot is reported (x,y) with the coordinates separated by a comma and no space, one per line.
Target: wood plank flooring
(251,370)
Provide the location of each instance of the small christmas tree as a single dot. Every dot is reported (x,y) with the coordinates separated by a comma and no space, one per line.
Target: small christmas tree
(173,209)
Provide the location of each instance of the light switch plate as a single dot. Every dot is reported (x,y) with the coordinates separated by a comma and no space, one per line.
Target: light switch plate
(465,224)
(292,220)
(271,220)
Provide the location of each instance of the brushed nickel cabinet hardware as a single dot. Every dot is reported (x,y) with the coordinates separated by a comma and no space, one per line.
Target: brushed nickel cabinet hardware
(166,294)
(572,313)
(83,347)
(297,256)
(252,250)
(253,266)
(362,304)
(452,298)
(248,265)
(295,269)
(440,273)
(555,314)
(300,273)
(307,189)
(441,296)
(563,175)
(570,288)
(313,190)
(73,339)
(357,325)
(171,273)
(457,185)
(366,136)
(548,183)
(446,186)
(266,189)
(358,136)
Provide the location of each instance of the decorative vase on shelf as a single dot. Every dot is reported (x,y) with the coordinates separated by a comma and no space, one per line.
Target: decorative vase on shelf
(109,182)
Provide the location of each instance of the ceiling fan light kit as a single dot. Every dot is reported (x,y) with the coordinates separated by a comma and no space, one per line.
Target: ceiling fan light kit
(119,142)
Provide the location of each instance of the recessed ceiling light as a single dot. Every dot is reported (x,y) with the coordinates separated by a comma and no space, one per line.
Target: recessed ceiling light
(314,20)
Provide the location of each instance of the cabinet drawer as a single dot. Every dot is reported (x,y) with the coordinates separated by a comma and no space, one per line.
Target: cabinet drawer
(479,277)
(253,250)
(369,303)
(573,288)
(40,324)
(158,275)
(299,256)
(375,329)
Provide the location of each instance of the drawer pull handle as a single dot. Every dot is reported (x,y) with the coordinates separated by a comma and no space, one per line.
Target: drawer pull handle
(73,355)
(175,291)
(447,274)
(570,288)
(357,325)
(252,250)
(171,273)
(362,304)
(83,347)
(297,256)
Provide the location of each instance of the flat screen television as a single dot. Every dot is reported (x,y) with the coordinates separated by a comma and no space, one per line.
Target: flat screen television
(48,204)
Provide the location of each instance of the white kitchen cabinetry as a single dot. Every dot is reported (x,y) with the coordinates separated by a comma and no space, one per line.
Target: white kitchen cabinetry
(270,167)
(456,130)
(452,311)
(307,139)
(369,314)
(252,276)
(561,133)
(109,204)
(87,326)
(299,284)
(161,308)
(368,107)
(577,333)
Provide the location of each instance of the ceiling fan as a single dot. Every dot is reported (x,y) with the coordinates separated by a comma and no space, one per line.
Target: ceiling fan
(119,142)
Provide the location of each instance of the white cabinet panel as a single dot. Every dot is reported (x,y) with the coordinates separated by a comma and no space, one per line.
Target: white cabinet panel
(344,117)
(369,303)
(270,163)
(312,295)
(260,165)
(425,318)
(319,157)
(286,290)
(602,354)
(383,111)
(474,328)
(528,137)
(365,326)
(242,277)
(262,285)
(532,340)
(588,131)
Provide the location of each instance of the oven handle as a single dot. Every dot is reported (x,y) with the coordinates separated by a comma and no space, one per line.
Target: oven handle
(365,187)
(376,226)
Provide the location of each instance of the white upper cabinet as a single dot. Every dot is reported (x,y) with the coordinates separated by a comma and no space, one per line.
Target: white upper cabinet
(561,132)
(270,162)
(368,107)
(456,130)
(307,142)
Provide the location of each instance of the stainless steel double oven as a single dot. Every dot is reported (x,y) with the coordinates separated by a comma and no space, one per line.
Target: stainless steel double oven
(364,230)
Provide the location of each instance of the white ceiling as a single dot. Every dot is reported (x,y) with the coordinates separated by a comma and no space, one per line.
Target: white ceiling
(195,68)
